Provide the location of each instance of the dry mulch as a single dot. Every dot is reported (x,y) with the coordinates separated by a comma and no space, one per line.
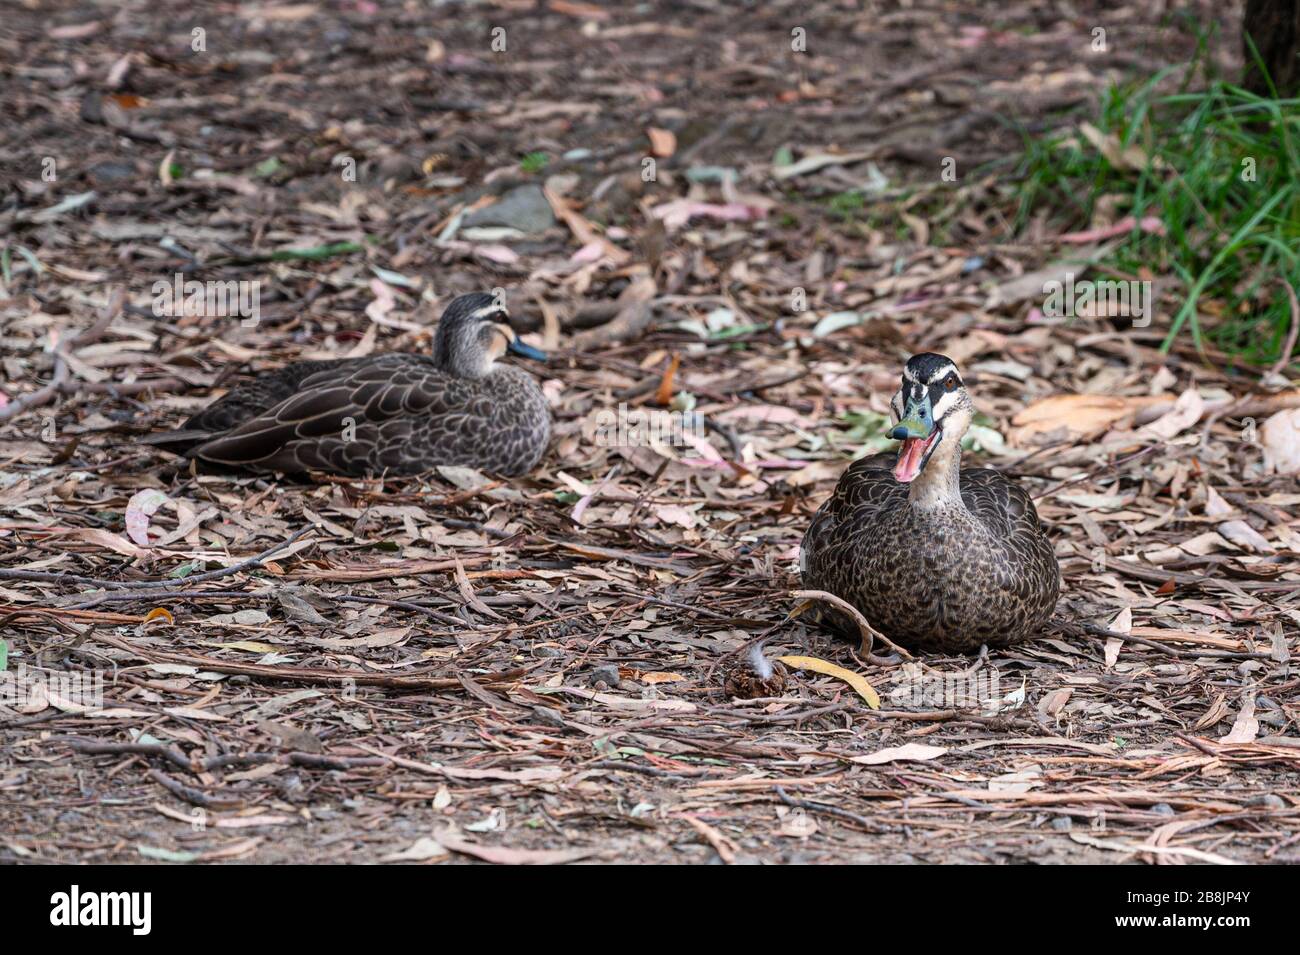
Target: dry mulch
(462,668)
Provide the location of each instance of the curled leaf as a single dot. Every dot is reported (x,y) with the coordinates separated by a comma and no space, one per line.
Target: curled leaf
(159,613)
(664,394)
(855,680)
(139,509)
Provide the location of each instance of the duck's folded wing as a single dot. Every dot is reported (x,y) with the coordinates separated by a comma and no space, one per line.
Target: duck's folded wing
(1003,506)
(842,525)
(242,403)
(335,413)
(1029,569)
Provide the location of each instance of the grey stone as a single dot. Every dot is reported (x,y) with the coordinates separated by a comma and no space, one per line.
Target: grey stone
(544,714)
(524,208)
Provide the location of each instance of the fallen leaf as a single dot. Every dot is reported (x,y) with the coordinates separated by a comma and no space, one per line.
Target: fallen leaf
(240,618)
(855,680)
(1054,702)
(422,850)
(678,212)
(159,613)
(160,854)
(664,394)
(1018,782)
(1123,623)
(1217,711)
(1080,415)
(383,303)
(1245,537)
(503,855)
(252,646)
(235,850)
(1280,436)
(1122,157)
(662,142)
(139,509)
(660,676)
(190,713)
(1149,224)
(916,752)
(1186,412)
(818,161)
(1245,727)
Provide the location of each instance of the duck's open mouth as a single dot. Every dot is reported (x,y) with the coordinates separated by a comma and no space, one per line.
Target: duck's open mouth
(913,455)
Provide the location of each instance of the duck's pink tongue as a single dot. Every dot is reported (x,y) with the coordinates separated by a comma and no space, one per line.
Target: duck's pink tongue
(909,458)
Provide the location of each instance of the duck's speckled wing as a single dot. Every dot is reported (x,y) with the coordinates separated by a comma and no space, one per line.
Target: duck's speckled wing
(399,414)
(1030,570)
(863,491)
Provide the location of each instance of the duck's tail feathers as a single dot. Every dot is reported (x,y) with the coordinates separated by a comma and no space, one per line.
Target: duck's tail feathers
(177,442)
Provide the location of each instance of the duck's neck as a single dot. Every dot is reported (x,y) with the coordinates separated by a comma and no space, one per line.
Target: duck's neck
(938,486)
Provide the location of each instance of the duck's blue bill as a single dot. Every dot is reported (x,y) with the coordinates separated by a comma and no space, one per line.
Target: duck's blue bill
(526,351)
(917,422)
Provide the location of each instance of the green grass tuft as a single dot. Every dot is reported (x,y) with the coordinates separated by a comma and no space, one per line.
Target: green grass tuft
(534,162)
(1186,158)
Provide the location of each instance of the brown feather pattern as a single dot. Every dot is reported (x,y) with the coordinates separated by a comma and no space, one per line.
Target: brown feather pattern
(408,416)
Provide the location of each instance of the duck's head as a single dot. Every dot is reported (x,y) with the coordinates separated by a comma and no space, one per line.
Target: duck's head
(474,332)
(932,410)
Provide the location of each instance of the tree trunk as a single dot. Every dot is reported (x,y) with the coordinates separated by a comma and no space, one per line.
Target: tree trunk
(1274,26)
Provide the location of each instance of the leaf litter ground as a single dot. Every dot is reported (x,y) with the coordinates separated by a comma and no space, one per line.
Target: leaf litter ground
(458,668)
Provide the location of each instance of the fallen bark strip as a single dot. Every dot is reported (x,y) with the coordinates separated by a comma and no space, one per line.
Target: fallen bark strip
(306,674)
(809,805)
(1130,798)
(224,761)
(10,613)
(1156,575)
(386,571)
(189,794)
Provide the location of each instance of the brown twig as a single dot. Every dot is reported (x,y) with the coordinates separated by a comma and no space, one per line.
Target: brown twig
(1289,346)
(39,397)
(868,632)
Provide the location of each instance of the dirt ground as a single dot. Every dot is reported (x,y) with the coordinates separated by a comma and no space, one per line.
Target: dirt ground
(461,668)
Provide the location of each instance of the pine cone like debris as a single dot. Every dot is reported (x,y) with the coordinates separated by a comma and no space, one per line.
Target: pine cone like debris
(752,675)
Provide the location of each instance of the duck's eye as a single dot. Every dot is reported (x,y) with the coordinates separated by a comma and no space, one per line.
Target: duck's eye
(950,384)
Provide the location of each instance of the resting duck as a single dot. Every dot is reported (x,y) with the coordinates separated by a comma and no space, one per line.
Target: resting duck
(937,558)
(386,414)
